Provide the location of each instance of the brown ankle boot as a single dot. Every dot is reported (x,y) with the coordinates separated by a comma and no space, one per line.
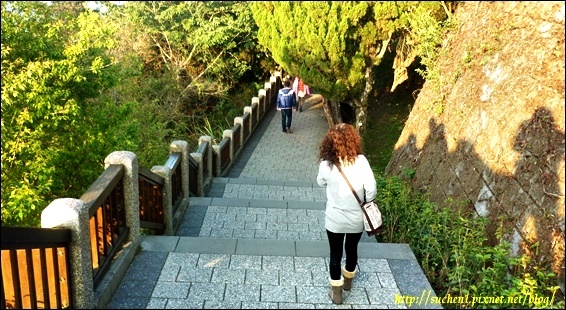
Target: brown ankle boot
(348,278)
(336,288)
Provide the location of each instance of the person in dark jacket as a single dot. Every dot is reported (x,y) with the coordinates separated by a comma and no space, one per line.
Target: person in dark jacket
(287,104)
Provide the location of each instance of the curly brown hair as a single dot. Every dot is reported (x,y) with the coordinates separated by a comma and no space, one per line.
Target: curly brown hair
(342,142)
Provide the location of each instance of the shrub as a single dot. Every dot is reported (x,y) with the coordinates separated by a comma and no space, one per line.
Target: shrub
(451,247)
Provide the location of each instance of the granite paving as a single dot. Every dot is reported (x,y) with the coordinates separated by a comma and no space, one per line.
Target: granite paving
(257,239)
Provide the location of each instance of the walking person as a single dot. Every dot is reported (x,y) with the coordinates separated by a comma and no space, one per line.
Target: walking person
(342,147)
(287,104)
(301,90)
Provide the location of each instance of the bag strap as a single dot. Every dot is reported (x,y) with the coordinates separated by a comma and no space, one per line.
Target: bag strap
(359,201)
(353,191)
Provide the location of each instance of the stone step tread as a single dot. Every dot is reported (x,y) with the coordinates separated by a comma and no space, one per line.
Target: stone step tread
(250,219)
(240,246)
(256,181)
(256,203)
(235,273)
(267,190)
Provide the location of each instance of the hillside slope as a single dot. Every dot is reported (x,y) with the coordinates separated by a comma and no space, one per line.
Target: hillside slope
(493,136)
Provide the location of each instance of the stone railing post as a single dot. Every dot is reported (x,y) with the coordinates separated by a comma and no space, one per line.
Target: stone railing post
(262,103)
(182,147)
(72,214)
(166,173)
(131,190)
(240,120)
(198,158)
(218,171)
(207,178)
(275,85)
(228,133)
(278,80)
(255,103)
(248,109)
(268,94)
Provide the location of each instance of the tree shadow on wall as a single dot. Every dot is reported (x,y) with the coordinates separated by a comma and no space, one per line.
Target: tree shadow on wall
(538,172)
(527,198)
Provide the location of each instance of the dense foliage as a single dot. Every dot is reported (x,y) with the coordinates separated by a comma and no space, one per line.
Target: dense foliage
(53,138)
(200,63)
(451,247)
(335,46)
(79,84)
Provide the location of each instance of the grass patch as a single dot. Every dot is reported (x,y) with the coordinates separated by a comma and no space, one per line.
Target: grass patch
(386,120)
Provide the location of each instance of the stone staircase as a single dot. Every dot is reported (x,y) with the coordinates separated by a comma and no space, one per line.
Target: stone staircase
(259,209)
(258,240)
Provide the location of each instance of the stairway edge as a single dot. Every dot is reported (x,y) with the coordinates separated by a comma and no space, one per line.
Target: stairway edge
(257,203)
(271,247)
(256,181)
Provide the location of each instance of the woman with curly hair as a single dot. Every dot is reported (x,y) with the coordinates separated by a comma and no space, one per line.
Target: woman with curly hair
(342,147)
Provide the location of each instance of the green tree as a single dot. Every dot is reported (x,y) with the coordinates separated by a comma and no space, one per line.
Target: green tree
(199,42)
(54,133)
(196,53)
(78,84)
(335,46)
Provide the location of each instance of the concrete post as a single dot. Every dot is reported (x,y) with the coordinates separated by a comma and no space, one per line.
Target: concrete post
(183,148)
(274,85)
(166,173)
(228,133)
(253,119)
(278,80)
(180,146)
(218,171)
(240,120)
(255,104)
(260,94)
(72,214)
(207,179)
(268,95)
(131,190)
(198,158)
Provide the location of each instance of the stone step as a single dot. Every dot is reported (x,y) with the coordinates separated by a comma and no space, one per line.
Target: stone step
(258,181)
(207,273)
(255,219)
(244,246)
(253,188)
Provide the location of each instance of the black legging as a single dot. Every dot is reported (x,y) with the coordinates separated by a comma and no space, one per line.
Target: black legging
(336,242)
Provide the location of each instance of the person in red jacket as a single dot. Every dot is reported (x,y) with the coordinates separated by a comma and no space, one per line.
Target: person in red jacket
(301,90)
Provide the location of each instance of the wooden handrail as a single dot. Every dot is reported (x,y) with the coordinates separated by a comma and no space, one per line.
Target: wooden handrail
(102,187)
(149,176)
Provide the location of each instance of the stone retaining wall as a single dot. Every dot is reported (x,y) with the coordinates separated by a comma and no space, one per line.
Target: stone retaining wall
(496,141)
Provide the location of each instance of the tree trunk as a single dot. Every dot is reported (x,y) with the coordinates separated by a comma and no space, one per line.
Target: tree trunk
(361,105)
(332,112)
